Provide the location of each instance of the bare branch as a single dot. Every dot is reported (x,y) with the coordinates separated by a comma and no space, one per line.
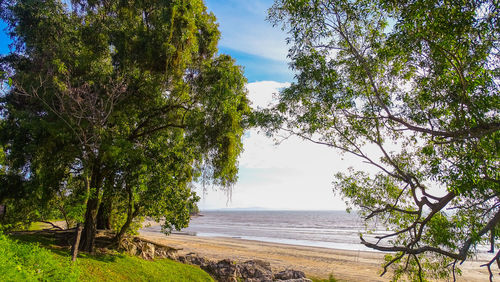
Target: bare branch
(386,266)
(52,224)
(495,258)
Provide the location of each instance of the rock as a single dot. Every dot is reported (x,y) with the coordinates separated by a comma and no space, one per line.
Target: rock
(171,255)
(289,274)
(223,271)
(256,271)
(132,249)
(193,258)
(148,251)
(250,271)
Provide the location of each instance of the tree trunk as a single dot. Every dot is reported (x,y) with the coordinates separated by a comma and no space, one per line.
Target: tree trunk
(87,242)
(106,207)
(124,228)
(104,213)
(131,214)
(74,248)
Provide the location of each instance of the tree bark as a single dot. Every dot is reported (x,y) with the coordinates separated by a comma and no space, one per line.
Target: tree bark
(106,207)
(104,213)
(131,214)
(492,241)
(87,243)
(74,248)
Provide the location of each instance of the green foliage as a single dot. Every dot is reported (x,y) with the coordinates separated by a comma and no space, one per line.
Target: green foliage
(411,88)
(29,262)
(194,210)
(118,104)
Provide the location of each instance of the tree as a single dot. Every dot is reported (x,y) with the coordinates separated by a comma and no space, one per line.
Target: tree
(124,102)
(410,87)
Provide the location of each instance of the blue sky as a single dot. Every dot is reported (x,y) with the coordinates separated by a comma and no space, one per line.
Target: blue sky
(248,37)
(4,39)
(295,175)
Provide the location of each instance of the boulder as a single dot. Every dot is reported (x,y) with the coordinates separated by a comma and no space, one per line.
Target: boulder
(256,270)
(132,249)
(289,274)
(147,250)
(223,271)
(194,259)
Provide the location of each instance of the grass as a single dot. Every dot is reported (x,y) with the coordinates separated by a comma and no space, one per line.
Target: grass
(128,268)
(24,257)
(39,226)
(26,261)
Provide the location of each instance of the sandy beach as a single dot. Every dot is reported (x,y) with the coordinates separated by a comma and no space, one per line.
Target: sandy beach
(314,261)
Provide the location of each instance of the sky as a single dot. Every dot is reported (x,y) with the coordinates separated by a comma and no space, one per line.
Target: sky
(294,175)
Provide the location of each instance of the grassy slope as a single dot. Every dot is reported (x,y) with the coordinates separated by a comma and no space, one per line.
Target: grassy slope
(25,256)
(116,267)
(127,268)
(24,261)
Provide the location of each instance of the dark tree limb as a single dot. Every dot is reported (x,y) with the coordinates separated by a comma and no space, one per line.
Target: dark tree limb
(461,255)
(386,266)
(495,258)
(53,225)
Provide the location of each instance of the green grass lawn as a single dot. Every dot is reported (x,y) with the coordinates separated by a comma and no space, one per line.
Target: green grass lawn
(34,258)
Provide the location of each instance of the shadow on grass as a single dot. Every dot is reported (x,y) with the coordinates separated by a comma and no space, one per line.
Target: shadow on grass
(51,243)
(43,241)
(107,258)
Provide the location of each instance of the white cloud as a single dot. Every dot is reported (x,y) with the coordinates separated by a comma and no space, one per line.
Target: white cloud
(262,93)
(293,175)
(244,28)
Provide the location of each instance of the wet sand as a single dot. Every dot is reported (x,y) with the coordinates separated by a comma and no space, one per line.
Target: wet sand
(314,261)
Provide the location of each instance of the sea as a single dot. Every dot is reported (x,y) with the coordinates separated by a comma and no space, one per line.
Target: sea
(327,229)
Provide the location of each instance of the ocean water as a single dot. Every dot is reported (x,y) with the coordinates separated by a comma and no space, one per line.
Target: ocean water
(329,229)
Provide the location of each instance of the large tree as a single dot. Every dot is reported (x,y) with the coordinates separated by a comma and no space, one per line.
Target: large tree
(412,88)
(124,102)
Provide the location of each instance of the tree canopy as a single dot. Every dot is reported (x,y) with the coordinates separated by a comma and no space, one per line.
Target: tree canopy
(115,108)
(412,88)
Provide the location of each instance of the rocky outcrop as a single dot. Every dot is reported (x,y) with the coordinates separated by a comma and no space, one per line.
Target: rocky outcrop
(223,271)
(147,249)
(256,270)
(290,275)
(249,271)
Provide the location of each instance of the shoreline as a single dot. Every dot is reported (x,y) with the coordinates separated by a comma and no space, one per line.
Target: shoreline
(281,241)
(313,261)
(316,262)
